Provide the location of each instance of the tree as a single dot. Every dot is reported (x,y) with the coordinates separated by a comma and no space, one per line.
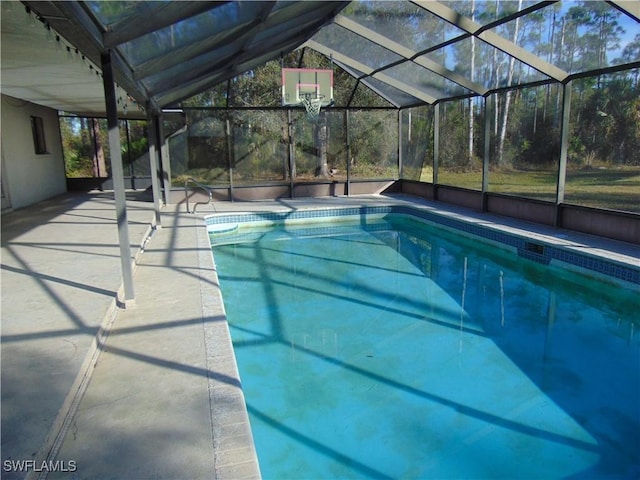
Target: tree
(320,143)
(630,53)
(472,78)
(99,162)
(507,100)
(601,35)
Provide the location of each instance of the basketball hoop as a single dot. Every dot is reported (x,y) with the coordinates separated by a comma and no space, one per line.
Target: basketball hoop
(312,104)
(308,87)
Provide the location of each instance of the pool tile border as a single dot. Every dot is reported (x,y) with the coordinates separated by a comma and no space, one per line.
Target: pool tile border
(538,249)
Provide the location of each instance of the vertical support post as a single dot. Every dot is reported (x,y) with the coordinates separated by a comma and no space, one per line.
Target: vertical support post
(400,166)
(564,148)
(129,160)
(152,134)
(291,153)
(115,156)
(165,161)
(488,107)
(436,147)
(348,150)
(230,155)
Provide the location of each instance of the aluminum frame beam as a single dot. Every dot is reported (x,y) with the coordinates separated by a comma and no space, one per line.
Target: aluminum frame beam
(564,149)
(154,151)
(488,107)
(80,28)
(630,8)
(190,52)
(493,39)
(408,54)
(352,63)
(358,78)
(166,15)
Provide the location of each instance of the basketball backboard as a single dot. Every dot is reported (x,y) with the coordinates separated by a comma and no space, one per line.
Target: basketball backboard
(307,84)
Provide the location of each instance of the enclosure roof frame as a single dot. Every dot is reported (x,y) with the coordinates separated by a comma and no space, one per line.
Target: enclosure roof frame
(166,52)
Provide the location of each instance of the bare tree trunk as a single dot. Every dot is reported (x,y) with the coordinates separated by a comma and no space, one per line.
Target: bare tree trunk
(507,100)
(284,152)
(99,163)
(84,130)
(320,140)
(556,114)
(473,68)
(551,41)
(535,113)
(496,70)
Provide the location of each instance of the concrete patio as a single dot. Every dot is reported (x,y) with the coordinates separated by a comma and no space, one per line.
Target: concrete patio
(92,389)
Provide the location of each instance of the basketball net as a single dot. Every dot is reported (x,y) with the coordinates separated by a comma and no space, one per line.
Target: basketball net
(312,104)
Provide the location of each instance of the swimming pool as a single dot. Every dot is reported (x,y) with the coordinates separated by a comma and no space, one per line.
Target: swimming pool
(384,346)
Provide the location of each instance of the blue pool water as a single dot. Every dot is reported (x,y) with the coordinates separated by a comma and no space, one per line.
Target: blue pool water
(395,349)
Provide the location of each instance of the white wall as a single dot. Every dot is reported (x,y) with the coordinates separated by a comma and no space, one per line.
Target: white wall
(29,177)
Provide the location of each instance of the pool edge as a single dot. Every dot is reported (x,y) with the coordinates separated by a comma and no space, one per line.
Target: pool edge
(556,248)
(233,446)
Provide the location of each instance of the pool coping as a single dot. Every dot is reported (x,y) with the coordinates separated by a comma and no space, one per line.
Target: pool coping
(541,248)
(234,449)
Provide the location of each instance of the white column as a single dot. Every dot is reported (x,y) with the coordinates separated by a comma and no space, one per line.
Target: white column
(115,157)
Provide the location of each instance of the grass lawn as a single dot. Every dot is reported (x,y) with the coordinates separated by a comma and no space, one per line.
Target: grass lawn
(612,188)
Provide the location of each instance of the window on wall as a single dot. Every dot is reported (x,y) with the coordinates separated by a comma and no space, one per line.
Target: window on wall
(37,129)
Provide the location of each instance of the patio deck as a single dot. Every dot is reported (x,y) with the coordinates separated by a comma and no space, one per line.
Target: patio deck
(151,391)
